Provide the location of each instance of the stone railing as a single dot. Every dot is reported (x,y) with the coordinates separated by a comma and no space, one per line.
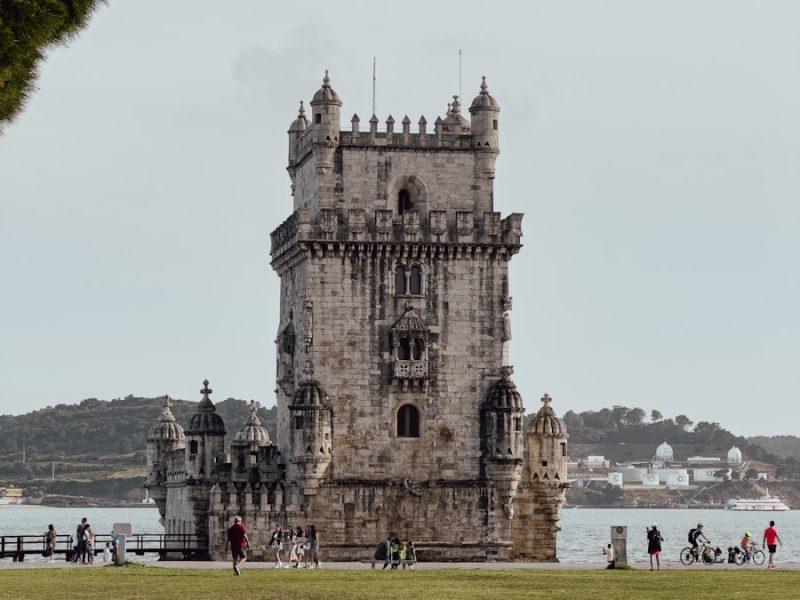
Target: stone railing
(410,369)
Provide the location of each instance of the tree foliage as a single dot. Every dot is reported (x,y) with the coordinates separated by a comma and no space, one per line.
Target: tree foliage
(27,29)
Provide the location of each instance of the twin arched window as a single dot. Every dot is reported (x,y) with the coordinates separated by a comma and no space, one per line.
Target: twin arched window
(408,281)
(408,421)
(410,349)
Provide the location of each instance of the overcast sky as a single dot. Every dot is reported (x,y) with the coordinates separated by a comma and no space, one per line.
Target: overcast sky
(653,147)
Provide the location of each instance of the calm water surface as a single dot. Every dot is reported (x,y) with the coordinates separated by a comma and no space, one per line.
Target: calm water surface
(584,530)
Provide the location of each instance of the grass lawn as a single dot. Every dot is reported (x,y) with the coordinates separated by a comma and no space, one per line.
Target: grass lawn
(123,583)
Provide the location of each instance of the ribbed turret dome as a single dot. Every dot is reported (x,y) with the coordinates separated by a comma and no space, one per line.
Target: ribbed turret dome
(252,432)
(166,429)
(206,420)
(410,321)
(453,121)
(301,123)
(504,394)
(310,394)
(326,94)
(546,422)
(484,100)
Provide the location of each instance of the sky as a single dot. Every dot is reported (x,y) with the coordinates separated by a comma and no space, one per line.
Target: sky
(653,147)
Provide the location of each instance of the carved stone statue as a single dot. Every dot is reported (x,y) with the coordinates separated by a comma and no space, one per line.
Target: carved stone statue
(507,318)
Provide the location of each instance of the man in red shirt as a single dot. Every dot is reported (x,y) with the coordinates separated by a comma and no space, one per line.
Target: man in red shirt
(771,541)
(238,543)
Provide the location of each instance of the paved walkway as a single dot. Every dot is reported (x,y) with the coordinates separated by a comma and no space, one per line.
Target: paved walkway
(36,563)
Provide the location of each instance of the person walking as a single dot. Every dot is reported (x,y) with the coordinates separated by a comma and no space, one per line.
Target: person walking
(80,544)
(238,543)
(276,544)
(654,540)
(88,536)
(771,541)
(50,543)
(313,546)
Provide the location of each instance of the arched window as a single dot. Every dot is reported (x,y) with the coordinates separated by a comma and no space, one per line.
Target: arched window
(408,421)
(400,280)
(404,349)
(415,280)
(404,201)
(193,447)
(418,349)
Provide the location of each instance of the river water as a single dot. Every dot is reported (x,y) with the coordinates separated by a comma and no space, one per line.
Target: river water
(584,531)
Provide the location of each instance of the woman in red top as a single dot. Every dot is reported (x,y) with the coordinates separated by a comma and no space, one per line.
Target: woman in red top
(771,541)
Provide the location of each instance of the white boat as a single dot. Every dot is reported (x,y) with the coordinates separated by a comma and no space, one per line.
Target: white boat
(764,503)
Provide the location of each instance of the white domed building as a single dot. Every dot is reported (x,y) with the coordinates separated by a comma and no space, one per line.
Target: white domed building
(664,453)
(734,456)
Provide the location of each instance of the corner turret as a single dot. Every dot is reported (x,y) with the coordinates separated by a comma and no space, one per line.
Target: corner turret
(310,445)
(205,438)
(297,131)
(166,435)
(485,124)
(325,109)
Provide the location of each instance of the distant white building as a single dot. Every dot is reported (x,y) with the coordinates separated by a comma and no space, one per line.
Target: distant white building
(594,462)
(703,460)
(705,474)
(678,480)
(664,453)
(734,456)
(615,479)
(650,479)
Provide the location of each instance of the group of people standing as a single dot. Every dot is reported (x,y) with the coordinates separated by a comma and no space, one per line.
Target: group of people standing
(395,553)
(294,544)
(84,543)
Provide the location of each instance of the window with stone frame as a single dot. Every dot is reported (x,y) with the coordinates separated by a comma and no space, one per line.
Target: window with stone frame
(404,202)
(409,280)
(410,336)
(408,421)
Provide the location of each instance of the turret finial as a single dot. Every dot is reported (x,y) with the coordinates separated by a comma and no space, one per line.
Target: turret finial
(455,107)
(302,112)
(546,400)
(326,81)
(484,87)
(167,402)
(206,390)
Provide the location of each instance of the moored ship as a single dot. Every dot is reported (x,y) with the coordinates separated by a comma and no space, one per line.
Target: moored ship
(764,503)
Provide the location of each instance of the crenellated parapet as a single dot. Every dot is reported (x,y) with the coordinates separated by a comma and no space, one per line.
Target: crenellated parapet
(388,227)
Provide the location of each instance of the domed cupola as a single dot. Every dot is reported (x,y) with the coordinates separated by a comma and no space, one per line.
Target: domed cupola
(484,100)
(310,418)
(734,456)
(253,433)
(167,429)
(547,445)
(326,94)
(301,123)
(206,420)
(664,453)
(205,439)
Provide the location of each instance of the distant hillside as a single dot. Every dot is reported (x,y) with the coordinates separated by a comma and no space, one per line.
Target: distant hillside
(97,447)
(785,446)
(627,434)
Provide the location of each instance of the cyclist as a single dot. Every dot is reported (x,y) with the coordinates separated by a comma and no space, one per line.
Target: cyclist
(746,542)
(695,535)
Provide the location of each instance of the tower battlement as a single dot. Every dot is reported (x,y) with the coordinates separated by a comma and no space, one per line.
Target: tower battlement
(385,226)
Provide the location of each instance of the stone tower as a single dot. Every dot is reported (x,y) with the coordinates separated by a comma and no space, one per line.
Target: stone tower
(165,436)
(394,396)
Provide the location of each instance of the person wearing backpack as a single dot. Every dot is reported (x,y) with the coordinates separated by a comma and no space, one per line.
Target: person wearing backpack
(654,540)
(695,533)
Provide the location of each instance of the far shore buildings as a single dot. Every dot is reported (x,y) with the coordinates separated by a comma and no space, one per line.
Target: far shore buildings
(397,412)
(662,470)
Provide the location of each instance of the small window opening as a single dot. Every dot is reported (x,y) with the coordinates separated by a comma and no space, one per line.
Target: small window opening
(299,422)
(404,349)
(418,350)
(544,463)
(400,280)
(318,118)
(494,124)
(408,421)
(415,280)
(404,201)
(563,449)
(193,447)
(517,423)
(499,425)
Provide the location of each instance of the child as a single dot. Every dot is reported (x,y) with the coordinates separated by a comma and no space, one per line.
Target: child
(412,555)
(107,553)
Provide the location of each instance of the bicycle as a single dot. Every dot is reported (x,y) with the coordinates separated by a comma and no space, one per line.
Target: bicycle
(751,553)
(704,552)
